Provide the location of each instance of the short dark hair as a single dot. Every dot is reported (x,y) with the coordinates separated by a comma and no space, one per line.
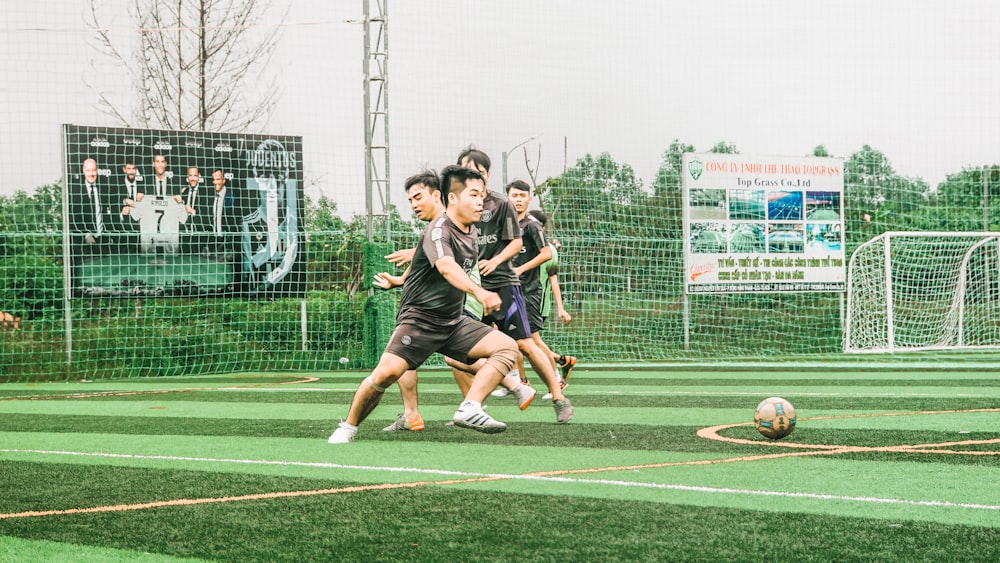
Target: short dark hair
(540,215)
(428,178)
(477,157)
(454,174)
(519,185)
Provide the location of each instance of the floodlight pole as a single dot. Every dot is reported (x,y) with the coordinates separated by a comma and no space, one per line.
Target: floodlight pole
(504,159)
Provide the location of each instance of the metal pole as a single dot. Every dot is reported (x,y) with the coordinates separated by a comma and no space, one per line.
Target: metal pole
(986,199)
(504,158)
(67,266)
(305,327)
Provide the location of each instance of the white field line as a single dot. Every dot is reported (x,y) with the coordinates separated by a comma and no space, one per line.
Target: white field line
(641,393)
(547,478)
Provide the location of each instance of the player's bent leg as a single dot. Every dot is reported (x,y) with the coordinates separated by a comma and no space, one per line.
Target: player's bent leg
(389,369)
(463,373)
(537,337)
(542,366)
(408,392)
(410,419)
(500,353)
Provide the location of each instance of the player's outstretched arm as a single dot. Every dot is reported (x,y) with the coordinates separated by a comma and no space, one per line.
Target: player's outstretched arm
(543,256)
(487,267)
(456,276)
(557,297)
(385,280)
(401,257)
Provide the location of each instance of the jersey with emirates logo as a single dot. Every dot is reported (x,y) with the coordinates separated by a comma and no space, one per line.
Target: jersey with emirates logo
(426,294)
(497,227)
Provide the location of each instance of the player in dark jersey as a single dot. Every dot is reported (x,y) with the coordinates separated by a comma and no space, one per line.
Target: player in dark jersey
(551,292)
(430,312)
(527,265)
(499,241)
(423,191)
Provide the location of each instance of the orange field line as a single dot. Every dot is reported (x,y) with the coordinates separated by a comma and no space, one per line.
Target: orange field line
(257,496)
(712,433)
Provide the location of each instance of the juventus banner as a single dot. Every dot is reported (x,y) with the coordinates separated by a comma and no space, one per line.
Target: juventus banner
(170,213)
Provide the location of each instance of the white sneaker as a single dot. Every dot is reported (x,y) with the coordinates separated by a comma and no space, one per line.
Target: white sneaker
(524,395)
(343,434)
(547,396)
(478,420)
(501,392)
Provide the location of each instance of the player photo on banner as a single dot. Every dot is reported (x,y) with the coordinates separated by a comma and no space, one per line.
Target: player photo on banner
(181,213)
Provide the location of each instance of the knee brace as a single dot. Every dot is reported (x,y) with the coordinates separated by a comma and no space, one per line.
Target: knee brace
(503,360)
(371,382)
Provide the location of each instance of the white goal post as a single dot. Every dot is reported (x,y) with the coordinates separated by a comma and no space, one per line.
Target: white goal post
(909,291)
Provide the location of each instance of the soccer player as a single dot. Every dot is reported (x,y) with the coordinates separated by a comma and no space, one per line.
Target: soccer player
(430,312)
(499,241)
(549,278)
(424,194)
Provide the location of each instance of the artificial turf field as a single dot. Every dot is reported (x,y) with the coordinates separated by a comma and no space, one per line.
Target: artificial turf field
(659,464)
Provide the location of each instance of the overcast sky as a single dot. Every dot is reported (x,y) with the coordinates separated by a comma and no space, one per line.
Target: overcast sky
(918,80)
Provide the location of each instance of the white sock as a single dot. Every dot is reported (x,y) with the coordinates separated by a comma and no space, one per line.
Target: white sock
(514,373)
(470,406)
(348,425)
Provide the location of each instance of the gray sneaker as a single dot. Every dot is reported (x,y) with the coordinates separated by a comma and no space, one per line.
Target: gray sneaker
(479,421)
(524,395)
(564,411)
(416,423)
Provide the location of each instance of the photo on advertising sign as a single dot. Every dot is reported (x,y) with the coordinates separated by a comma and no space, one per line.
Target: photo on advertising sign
(763,224)
(181,213)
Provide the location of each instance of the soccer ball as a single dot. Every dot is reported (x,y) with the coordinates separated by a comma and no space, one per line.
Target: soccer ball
(774,418)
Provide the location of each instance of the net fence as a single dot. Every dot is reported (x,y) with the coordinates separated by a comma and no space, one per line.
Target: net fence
(600,143)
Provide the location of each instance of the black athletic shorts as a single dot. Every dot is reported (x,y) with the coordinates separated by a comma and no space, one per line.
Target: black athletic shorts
(535,318)
(512,317)
(415,341)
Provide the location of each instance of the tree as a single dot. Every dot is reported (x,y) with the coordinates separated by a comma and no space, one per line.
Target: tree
(194,64)
(668,177)
(960,201)
(31,273)
(722,147)
(876,199)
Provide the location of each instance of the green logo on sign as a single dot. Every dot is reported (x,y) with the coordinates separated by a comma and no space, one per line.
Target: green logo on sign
(695,167)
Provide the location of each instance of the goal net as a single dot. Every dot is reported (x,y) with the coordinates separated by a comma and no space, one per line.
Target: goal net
(909,291)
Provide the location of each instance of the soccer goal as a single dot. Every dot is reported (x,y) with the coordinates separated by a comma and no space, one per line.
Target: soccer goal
(909,291)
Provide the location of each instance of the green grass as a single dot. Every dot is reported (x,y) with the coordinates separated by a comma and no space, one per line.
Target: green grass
(627,480)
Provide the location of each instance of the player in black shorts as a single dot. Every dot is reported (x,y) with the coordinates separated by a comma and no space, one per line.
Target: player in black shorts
(430,312)
(528,265)
(499,241)
(423,191)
